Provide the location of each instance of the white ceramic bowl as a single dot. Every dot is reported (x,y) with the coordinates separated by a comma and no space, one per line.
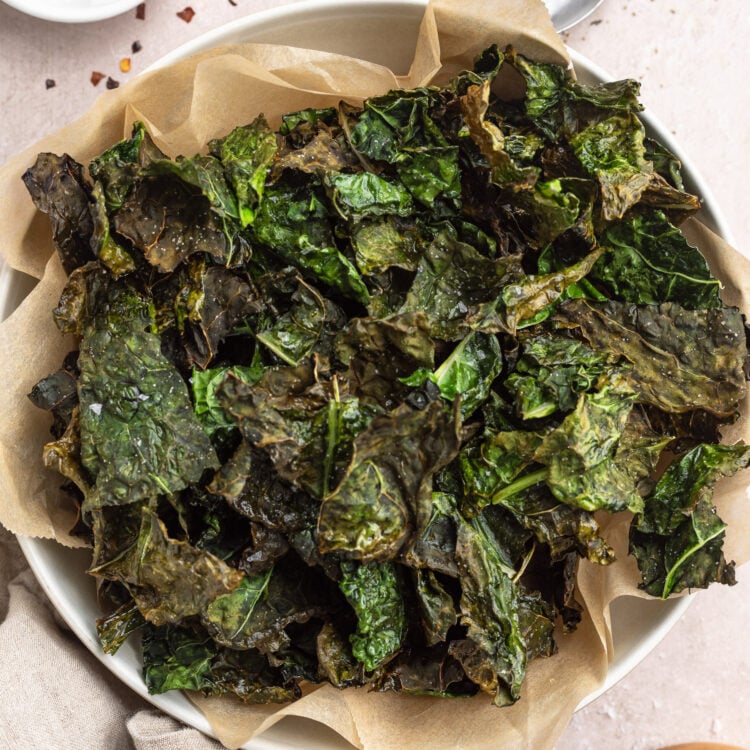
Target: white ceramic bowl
(72,11)
(383,31)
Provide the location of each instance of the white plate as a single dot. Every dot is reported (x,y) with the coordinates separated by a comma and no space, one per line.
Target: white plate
(383,31)
(72,11)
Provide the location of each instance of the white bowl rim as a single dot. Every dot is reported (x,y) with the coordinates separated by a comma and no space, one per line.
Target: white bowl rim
(35,549)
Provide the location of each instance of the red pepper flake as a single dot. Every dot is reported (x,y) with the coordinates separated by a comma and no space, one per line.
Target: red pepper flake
(136,46)
(111,83)
(50,83)
(233,3)
(140,11)
(186,14)
(125,65)
(97,77)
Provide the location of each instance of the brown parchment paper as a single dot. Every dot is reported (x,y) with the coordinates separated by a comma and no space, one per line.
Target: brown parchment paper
(203,97)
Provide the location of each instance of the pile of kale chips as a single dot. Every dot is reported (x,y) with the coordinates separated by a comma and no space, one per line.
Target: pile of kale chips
(350,396)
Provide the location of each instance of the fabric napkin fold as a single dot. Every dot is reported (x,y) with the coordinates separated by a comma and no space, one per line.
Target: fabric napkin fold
(54,693)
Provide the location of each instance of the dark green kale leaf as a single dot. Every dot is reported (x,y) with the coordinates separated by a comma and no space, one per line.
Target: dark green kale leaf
(168,220)
(680,360)
(168,579)
(678,537)
(118,168)
(257,612)
(435,606)
(648,261)
(139,435)
(494,653)
(374,592)
(211,303)
(425,671)
(505,171)
(309,324)
(453,281)
(336,661)
(433,545)
(305,425)
(377,378)
(182,658)
(370,514)
(205,173)
(58,189)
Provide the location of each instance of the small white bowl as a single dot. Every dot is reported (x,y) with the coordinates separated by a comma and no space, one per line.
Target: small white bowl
(72,11)
(383,31)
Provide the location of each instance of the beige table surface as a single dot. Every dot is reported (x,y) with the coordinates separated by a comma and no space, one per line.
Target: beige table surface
(693,59)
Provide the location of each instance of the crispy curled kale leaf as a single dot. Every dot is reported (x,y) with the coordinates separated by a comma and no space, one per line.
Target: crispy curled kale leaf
(369,515)
(374,592)
(139,435)
(352,398)
(677,538)
(57,187)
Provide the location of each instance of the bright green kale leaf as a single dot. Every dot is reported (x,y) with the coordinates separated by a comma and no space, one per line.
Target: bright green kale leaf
(678,537)
(648,261)
(374,592)
(139,435)
(206,403)
(246,155)
(612,151)
(293,222)
(398,128)
(550,373)
(467,373)
(364,194)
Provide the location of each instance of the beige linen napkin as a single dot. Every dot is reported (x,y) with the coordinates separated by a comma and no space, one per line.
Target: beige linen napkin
(54,694)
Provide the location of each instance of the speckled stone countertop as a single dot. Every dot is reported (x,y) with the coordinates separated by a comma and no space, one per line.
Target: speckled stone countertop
(693,58)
